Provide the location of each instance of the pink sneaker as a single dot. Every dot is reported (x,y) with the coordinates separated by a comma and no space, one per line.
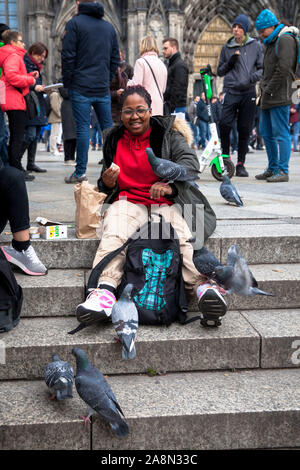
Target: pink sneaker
(97,306)
(211,304)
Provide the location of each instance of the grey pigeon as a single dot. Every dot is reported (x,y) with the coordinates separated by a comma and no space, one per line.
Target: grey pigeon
(206,262)
(229,192)
(237,277)
(59,376)
(97,394)
(125,320)
(168,170)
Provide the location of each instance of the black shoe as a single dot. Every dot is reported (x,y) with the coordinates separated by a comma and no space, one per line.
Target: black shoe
(28,176)
(266,174)
(37,169)
(101,161)
(212,306)
(240,170)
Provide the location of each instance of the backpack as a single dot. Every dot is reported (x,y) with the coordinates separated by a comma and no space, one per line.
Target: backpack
(11,296)
(154,266)
(297,39)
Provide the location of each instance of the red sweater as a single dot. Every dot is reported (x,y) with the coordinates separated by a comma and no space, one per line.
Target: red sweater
(136,175)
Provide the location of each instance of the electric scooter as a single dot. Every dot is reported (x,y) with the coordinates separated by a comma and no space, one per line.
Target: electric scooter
(220,164)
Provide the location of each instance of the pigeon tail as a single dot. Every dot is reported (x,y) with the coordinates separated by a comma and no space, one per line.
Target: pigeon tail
(128,351)
(256,291)
(121,428)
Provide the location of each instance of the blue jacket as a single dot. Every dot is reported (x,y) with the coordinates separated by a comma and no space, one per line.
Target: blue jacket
(90,52)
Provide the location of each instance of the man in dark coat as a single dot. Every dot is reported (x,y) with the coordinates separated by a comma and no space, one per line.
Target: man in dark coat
(280,64)
(241,63)
(90,57)
(178,76)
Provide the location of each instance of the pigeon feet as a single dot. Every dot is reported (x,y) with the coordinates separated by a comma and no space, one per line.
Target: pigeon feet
(86,419)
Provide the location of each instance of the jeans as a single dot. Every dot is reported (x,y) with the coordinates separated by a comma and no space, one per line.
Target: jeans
(3,139)
(296,130)
(81,106)
(195,130)
(96,136)
(204,132)
(274,129)
(241,107)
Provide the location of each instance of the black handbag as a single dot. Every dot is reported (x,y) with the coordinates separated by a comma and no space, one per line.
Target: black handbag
(32,104)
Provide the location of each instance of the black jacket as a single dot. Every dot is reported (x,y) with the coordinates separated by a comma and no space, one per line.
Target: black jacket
(40,120)
(90,52)
(177,83)
(248,69)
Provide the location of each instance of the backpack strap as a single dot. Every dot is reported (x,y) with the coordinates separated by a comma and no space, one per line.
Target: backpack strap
(297,39)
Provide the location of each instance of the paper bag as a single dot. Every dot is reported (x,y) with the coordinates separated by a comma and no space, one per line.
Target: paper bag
(88,202)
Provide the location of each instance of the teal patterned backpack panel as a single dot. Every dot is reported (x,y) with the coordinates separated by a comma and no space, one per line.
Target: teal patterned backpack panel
(151,297)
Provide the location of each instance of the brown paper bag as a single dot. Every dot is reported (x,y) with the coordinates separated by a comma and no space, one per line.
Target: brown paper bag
(87,217)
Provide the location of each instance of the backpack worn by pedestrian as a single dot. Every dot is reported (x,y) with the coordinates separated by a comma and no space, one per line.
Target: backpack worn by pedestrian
(11,297)
(154,266)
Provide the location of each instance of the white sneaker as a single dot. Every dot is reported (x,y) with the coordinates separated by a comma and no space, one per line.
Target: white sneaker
(97,306)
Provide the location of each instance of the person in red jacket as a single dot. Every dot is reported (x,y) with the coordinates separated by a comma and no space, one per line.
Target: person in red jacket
(17,82)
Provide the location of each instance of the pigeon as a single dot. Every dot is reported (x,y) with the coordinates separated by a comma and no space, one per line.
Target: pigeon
(206,262)
(236,277)
(94,390)
(229,192)
(59,377)
(168,170)
(125,319)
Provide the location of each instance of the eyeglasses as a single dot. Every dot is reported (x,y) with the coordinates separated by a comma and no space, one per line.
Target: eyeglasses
(130,112)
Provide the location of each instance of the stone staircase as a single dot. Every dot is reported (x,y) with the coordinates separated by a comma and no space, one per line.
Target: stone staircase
(232,387)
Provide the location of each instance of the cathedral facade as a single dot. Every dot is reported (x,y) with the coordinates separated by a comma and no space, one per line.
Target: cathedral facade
(201,26)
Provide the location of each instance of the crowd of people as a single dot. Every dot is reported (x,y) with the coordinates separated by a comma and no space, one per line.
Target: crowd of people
(132,108)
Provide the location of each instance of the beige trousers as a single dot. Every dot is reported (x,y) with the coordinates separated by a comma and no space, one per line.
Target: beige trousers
(122,219)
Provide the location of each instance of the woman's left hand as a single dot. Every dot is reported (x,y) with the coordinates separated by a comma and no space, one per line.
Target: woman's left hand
(35,74)
(160,189)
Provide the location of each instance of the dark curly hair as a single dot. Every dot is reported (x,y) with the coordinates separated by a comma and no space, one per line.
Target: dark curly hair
(139,90)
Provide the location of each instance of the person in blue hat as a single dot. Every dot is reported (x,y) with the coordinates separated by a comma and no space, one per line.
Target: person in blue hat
(241,65)
(280,65)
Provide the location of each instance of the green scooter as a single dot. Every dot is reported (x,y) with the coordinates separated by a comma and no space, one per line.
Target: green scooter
(220,164)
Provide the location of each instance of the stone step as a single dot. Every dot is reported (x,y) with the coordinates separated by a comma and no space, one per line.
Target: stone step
(261,242)
(245,340)
(60,291)
(188,411)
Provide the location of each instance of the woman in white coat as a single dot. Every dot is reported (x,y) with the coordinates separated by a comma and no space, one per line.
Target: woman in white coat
(151,73)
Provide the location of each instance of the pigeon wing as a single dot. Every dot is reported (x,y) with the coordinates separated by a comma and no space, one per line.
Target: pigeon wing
(206,262)
(100,379)
(55,370)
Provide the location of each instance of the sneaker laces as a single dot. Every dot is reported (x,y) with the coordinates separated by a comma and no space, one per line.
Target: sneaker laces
(31,254)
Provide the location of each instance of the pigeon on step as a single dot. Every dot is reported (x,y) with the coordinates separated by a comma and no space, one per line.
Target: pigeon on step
(168,170)
(59,377)
(125,320)
(229,192)
(97,394)
(236,277)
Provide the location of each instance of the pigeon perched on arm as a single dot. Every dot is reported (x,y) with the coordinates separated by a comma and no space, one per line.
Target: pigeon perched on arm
(97,394)
(125,320)
(168,170)
(59,377)
(229,192)
(237,278)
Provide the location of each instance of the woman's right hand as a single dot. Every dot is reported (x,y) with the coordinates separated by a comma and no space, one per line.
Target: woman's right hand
(109,177)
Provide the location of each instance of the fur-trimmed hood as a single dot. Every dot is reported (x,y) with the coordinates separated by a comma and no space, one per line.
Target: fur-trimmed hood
(180,125)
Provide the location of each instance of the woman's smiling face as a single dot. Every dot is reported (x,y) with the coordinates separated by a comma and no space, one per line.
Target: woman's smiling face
(135,114)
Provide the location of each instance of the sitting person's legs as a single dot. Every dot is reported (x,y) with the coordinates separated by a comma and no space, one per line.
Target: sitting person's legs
(15,210)
(120,221)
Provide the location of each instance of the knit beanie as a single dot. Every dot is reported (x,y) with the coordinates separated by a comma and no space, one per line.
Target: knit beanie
(266,19)
(243,21)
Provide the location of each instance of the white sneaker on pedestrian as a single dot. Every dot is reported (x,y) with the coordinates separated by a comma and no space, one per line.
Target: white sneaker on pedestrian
(27,260)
